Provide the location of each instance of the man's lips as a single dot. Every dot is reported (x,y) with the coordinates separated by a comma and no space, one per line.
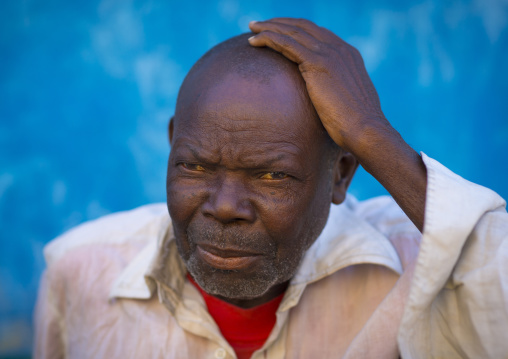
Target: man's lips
(226,259)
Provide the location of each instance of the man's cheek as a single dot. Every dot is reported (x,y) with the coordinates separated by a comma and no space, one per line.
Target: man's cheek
(183,201)
(286,226)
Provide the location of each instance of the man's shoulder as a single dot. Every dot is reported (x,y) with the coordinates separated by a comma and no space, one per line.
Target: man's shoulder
(387,218)
(384,214)
(123,231)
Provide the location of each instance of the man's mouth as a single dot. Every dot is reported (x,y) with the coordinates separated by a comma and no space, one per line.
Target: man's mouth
(226,259)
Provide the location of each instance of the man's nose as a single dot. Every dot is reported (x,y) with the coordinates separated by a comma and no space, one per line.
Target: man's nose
(229,201)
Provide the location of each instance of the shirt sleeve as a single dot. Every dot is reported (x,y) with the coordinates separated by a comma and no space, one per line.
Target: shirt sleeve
(48,321)
(458,301)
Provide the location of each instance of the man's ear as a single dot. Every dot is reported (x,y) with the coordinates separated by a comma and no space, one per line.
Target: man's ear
(170,129)
(344,170)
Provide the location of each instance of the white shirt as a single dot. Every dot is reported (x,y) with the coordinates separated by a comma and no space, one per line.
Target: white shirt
(116,287)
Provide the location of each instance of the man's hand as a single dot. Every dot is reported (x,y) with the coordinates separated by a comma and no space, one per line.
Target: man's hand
(337,82)
(347,104)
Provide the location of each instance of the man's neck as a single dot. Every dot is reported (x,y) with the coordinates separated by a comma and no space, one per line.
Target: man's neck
(247,303)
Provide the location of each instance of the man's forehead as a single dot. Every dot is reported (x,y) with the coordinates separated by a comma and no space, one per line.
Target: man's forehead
(237,104)
(247,99)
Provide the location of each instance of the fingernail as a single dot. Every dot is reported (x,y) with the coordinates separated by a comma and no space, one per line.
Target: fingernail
(252,37)
(252,22)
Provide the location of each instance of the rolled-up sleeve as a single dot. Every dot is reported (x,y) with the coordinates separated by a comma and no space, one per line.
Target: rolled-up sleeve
(458,301)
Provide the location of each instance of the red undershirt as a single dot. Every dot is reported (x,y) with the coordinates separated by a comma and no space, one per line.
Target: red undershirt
(246,330)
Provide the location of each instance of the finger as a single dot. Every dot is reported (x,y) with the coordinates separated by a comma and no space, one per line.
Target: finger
(297,33)
(284,44)
(302,23)
(318,32)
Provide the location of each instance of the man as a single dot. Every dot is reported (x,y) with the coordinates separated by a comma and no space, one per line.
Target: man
(267,133)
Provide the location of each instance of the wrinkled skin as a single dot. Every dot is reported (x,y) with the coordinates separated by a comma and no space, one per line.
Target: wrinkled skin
(250,177)
(250,170)
(348,105)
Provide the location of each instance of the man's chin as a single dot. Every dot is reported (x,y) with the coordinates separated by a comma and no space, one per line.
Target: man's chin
(231,284)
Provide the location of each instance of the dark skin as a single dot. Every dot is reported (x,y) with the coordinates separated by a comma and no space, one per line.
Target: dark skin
(248,187)
(232,166)
(347,104)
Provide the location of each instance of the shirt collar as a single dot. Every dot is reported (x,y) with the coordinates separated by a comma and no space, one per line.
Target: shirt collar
(346,240)
(134,281)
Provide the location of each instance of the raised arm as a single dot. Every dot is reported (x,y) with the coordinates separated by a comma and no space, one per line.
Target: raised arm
(348,105)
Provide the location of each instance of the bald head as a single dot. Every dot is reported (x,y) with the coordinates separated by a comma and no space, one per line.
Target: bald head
(237,57)
(250,172)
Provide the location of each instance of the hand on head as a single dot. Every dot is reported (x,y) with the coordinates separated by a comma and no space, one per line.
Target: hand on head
(348,106)
(337,82)
(252,171)
(255,160)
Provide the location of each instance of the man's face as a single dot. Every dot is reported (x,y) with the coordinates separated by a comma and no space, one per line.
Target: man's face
(249,182)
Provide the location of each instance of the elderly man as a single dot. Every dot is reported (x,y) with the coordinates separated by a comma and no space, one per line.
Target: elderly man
(252,261)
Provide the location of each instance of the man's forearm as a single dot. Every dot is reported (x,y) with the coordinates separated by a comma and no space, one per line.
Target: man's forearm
(348,106)
(386,156)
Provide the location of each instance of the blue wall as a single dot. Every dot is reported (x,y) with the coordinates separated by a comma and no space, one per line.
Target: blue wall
(86,89)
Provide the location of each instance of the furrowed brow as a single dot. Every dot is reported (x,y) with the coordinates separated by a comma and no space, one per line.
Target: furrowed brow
(268,161)
(199,156)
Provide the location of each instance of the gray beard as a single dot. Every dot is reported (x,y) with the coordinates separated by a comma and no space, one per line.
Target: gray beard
(224,284)
(231,283)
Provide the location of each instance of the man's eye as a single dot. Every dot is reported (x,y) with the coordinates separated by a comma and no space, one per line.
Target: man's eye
(193,167)
(274,176)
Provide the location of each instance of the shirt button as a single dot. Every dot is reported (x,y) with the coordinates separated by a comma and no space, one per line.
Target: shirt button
(220,353)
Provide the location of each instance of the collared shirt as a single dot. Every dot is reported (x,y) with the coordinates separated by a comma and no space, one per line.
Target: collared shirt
(116,287)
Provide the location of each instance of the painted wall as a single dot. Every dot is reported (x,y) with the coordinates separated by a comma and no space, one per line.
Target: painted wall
(87,87)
